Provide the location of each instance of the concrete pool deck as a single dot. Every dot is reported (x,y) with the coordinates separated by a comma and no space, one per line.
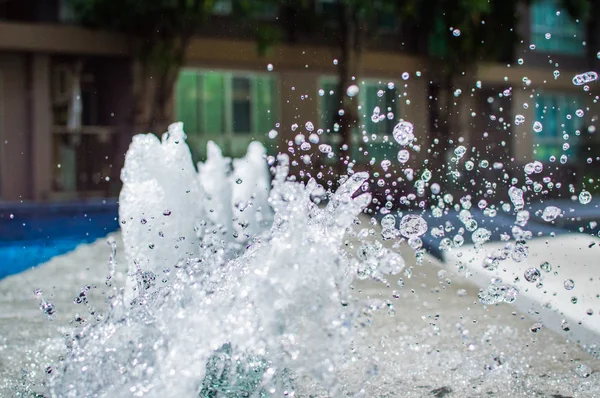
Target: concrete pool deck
(438,341)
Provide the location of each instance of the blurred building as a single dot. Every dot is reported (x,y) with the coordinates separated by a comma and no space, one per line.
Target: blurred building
(66,98)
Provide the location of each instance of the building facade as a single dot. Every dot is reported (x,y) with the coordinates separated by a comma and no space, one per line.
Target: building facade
(66,101)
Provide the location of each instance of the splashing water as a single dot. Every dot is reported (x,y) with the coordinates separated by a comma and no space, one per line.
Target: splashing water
(278,308)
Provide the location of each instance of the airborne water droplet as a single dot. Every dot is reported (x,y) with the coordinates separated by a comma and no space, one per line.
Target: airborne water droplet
(550,213)
(460,151)
(585,197)
(403,156)
(412,225)
(403,133)
(352,91)
(569,284)
(532,274)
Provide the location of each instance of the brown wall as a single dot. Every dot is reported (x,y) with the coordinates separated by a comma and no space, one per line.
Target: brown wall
(15,174)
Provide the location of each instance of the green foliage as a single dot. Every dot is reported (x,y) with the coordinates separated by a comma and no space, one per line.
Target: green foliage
(143,18)
(161,26)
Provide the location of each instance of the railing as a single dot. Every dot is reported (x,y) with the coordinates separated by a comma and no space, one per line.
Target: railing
(83,160)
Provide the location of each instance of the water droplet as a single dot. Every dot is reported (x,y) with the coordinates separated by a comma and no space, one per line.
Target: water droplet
(412,225)
(481,235)
(548,36)
(579,112)
(519,119)
(403,133)
(380,93)
(405,76)
(516,197)
(550,213)
(532,274)
(238,181)
(335,61)
(324,148)
(352,91)
(460,151)
(456,32)
(584,78)
(167,212)
(321,92)
(546,266)
(583,371)
(385,164)
(388,222)
(536,327)
(309,126)
(403,156)
(585,197)
(569,284)
(305,146)
(273,134)
(270,67)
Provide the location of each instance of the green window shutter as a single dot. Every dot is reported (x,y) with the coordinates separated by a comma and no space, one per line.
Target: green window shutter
(188,101)
(437,44)
(213,94)
(567,35)
(371,101)
(263,106)
(331,105)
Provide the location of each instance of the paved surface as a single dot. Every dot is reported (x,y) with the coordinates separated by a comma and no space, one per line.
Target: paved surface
(438,341)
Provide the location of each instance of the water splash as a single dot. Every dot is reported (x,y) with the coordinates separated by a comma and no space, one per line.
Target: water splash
(243,321)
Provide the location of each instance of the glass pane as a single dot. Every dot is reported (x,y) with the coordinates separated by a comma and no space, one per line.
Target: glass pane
(187,101)
(240,94)
(214,103)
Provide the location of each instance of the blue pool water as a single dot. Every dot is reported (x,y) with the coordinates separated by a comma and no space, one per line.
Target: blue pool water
(31,234)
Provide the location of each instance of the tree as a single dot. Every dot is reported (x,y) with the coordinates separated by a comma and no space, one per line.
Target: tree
(160,32)
(424,25)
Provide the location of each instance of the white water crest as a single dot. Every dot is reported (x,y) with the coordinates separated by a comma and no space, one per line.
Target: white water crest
(204,317)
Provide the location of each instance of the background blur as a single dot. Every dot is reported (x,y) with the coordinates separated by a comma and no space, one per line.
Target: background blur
(78,78)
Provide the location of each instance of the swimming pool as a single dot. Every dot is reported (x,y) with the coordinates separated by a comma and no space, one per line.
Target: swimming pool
(31,234)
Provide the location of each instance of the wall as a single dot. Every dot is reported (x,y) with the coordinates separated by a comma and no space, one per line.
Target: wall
(14,128)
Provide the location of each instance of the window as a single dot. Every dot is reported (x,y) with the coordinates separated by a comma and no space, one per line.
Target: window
(372,94)
(385,18)
(229,107)
(329,9)
(553,30)
(264,11)
(557,114)
(222,7)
